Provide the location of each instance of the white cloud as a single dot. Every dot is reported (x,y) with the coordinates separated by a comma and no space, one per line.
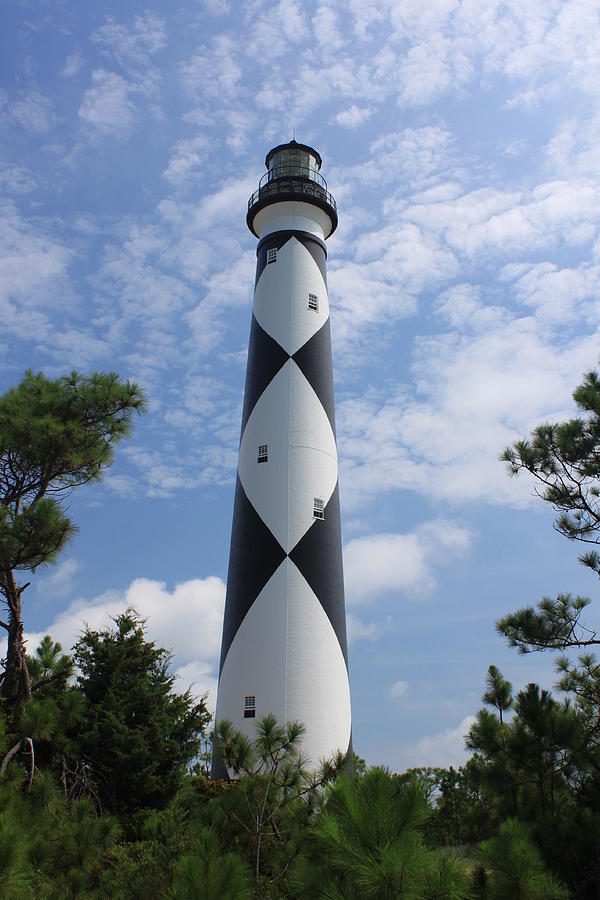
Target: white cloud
(240,123)
(187,159)
(216,7)
(285,19)
(33,270)
(328,29)
(225,203)
(200,396)
(353,116)
(123,485)
(60,582)
(411,155)
(384,562)
(201,679)
(381,285)
(72,65)
(34,112)
(291,17)
(398,689)
(106,105)
(357,630)
(516,148)
(560,295)
(165,471)
(213,72)
(16,179)
(381,563)
(430,69)
(132,46)
(186,620)
(478,387)
(574,150)
(229,288)
(512,222)
(444,749)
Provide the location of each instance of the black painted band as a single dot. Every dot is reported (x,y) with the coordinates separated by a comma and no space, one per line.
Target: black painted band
(288,233)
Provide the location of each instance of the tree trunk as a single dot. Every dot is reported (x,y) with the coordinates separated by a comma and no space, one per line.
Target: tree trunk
(16,684)
(63,773)
(12,752)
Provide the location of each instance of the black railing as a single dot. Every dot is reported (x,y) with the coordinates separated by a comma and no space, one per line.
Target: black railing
(292,180)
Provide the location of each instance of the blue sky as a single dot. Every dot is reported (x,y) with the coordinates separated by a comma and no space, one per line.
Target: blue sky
(461,142)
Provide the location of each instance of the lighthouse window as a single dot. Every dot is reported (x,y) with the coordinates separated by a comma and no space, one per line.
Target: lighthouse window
(318,508)
(250,707)
(313,302)
(272,255)
(263,453)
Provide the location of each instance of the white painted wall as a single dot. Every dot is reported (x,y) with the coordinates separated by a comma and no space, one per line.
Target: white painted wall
(281,297)
(286,652)
(292,215)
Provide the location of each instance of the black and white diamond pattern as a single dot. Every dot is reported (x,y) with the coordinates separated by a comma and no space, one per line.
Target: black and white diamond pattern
(289,418)
(291,324)
(285,572)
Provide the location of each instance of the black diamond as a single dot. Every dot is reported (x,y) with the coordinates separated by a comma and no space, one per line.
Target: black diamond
(314,360)
(254,556)
(265,359)
(318,556)
(317,251)
(279,238)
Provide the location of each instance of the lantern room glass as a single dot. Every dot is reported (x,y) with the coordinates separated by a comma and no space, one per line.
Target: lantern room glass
(293,162)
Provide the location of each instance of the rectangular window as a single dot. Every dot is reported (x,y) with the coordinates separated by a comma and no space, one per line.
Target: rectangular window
(263,453)
(250,707)
(313,302)
(318,508)
(272,255)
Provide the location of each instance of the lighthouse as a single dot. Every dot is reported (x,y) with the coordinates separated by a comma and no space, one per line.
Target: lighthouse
(284,648)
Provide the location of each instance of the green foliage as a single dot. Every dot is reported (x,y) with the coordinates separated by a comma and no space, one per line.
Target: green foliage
(462,811)
(54,435)
(367,842)
(138,734)
(530,754)
(157,839)
(515,866)
(550,755)
(542,767)
(447,879)
(205,873)
(276,796)
(15,880)
(34,536)
(49,663)
(554,624)
(565,461)
(499,692)
(49,847)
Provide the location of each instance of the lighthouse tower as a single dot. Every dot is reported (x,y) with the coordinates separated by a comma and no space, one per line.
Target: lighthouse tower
(284,633)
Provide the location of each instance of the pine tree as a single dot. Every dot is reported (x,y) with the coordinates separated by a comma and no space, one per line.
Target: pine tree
(55,435)
(499,692)
(367,842)
(138,734)
(564,460)
(276,795)
(516,867)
